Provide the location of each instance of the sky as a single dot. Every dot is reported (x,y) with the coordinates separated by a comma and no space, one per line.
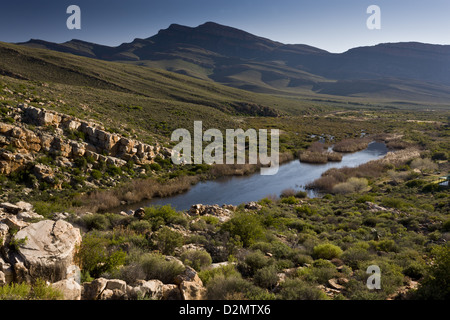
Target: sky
(332,25)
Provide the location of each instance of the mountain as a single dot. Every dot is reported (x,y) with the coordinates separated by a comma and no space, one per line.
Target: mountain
(412,71)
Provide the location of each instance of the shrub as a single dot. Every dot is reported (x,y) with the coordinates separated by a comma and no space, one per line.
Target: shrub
(197,259)
(96,257)
(351,185)
(23,291)
(245,225)
(424,165)
(166,214)
(354,255)
(305,210)
(297,289)
(414,270)
(289,200)
(266,277)
(225,271)
(252,262)
(167,240)
(327,251)
(95,221)
(436,283)
(96,174)
(150,266)
(365,198)
(234,288)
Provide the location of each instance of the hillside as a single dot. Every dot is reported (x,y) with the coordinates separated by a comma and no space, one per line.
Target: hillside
(391,71)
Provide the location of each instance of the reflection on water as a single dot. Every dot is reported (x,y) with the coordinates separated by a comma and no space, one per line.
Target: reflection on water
(237,190)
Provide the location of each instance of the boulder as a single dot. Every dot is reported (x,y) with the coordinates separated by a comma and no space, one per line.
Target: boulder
(70,289)
(190,285)
(49,249)
(92,290)
(191,290)
(171,292)
(152,289)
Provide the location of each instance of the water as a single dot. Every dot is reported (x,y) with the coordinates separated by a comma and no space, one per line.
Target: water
(237,190)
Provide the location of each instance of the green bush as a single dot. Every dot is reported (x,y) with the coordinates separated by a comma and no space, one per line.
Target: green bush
(96,174)
(149,266)
(327,251)
(95,221)
(245,225)
(234,288)
(266,277)
(436,283)
(23,291)
(167,240)
(224,271)
(252,262)
(364,199)
(197,259)
(96,256)
(297,289)
(290,200)
(166,214)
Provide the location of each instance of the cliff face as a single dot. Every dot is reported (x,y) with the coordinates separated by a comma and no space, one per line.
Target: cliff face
(35,132)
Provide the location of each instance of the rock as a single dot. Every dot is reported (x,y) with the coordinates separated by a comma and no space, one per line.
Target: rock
(152,289)
(253,206)
(13,223)
(171,292)
(25,206)
(189,275)
(70,289)
(49,249)
(334,285)
(11,208)
(139,213)
(191,290)
(4,231)
(190,285)
(92,290)
(116,284)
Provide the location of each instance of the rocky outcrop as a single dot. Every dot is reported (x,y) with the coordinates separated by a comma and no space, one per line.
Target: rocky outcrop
(68,137)
(223,213)
(48,249)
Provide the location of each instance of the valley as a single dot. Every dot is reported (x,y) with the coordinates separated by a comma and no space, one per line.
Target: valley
(85,138)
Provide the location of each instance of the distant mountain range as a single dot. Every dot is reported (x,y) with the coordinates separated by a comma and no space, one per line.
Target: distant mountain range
(405,71)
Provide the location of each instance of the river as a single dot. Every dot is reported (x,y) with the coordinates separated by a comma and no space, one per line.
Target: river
(237,190)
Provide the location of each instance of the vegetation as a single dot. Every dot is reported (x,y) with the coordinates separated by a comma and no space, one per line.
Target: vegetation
(389,212)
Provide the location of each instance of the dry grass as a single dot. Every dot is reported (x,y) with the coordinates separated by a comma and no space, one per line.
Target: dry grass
(351,145)
(132,192)
(371,169)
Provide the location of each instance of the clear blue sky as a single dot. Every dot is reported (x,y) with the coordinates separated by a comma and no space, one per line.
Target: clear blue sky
(333,25)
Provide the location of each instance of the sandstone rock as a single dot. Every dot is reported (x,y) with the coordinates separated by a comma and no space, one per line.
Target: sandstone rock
(152,289)
(171,292)
(70,289)
(191,290)
(11,208)
(116,284)
(189,275)
(334,285)
(92,290)
(49,249)
(4,231)
(13,223)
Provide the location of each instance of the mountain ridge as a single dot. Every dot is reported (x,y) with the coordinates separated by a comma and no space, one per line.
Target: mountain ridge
(240,59)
